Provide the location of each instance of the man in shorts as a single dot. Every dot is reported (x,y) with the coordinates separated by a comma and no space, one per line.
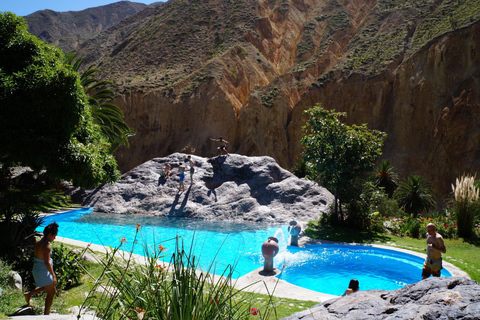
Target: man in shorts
(223,145)
(435,248)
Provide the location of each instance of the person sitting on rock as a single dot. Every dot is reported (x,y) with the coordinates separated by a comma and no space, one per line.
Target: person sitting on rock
(165,172)
(353,286)
(223,145)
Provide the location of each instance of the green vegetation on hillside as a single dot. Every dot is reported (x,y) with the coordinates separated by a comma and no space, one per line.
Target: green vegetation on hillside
(450,15)
(401,27)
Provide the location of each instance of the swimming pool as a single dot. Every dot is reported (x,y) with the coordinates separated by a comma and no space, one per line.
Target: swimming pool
(322,268)
(328,268)
(222,242)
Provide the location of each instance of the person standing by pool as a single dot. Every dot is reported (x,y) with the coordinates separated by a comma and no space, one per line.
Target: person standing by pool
(181,169)
(45,278)
(192,168)
(435,248)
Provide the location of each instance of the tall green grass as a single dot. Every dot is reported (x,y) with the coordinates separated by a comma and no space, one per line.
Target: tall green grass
(127,289)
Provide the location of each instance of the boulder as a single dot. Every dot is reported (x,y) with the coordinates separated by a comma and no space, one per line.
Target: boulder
(14,280)
(232,187)
(433,298)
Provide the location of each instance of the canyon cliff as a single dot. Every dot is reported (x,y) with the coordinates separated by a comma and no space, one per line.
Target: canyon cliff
(247,69)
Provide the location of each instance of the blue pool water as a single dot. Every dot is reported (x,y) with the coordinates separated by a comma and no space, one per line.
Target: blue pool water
(329,268)
(323,268)
(221,242)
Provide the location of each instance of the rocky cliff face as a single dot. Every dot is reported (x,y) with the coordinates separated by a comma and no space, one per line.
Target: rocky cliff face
(247,69)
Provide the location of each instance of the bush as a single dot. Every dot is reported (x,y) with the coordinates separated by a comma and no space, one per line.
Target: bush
(444,225)
(465,205)
(17,229)
(66,267)
(387,207)
(4,271)
(411,227)
(417,227)
(415,195)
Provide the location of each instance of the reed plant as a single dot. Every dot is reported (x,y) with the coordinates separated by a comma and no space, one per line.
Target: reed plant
(153,289)
(465,205)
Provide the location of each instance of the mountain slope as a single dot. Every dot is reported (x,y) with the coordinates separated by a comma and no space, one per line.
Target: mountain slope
(69,29)
(247,69)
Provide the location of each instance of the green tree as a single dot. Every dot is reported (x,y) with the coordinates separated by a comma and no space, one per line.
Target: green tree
(108,116)
(386,177)
(45,121)
(415,195)
(340,156)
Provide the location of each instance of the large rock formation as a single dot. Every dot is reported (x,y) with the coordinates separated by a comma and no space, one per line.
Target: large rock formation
(232,187)
(247,69)
(433,298)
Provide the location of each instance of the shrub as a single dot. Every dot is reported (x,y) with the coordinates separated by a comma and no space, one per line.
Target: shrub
(444,225)
(386,177)
(415,195)
(385,206)
(4,271)
(66,267)
(17,228)
(411,227)
(465,205)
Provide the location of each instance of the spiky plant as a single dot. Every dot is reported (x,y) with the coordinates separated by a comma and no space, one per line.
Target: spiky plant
(466,204)
(107,115)
(415,195)
(386,177)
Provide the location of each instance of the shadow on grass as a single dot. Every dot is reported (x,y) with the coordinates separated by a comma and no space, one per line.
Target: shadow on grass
(344,234)
(473,241)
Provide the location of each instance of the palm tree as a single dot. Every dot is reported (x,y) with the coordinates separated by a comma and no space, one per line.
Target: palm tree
(386,177)
(415,195)
(107,115)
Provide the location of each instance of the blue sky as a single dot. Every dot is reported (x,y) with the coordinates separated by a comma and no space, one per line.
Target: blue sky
(25,7)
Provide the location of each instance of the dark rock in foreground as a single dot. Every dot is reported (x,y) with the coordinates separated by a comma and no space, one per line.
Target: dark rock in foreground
(232,187)
(433,298)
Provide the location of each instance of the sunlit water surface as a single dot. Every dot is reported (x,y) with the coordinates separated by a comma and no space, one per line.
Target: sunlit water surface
(217,244)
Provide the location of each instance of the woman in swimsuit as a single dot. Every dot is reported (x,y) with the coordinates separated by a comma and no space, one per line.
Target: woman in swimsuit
(45,278)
